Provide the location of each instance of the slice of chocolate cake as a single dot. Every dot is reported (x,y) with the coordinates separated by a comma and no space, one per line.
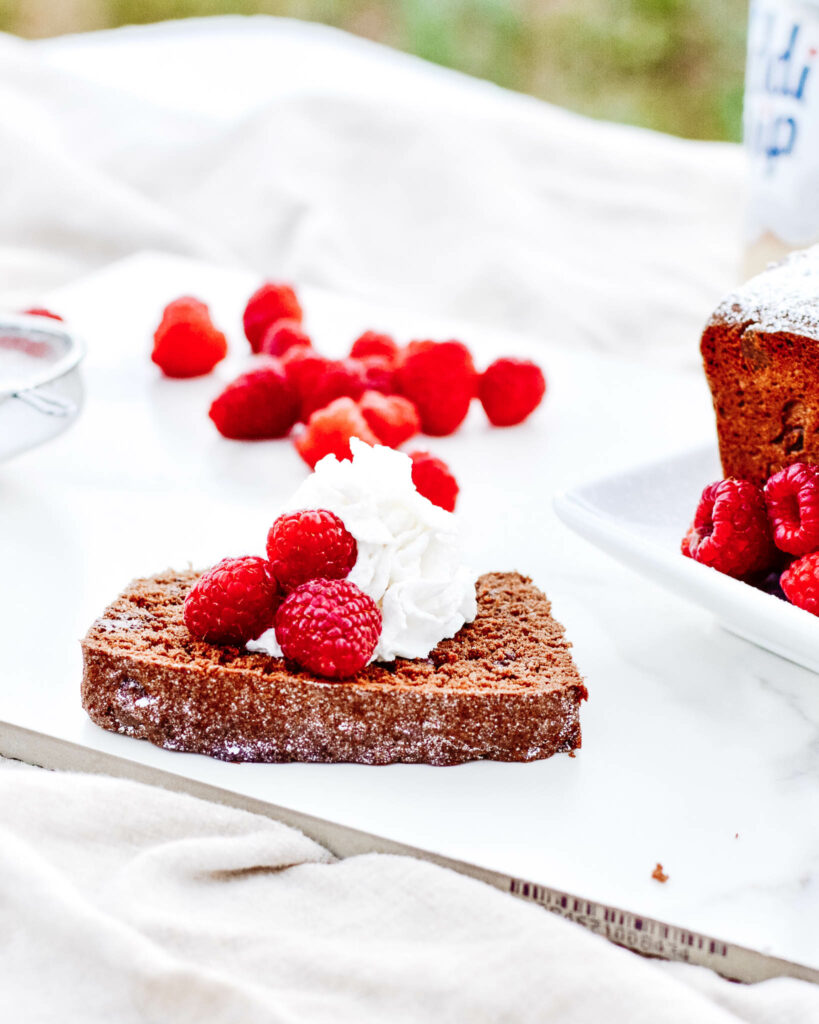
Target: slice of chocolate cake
(504,688)
(761,354)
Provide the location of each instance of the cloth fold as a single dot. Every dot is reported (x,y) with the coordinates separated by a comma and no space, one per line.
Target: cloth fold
(122,902)
(384,177)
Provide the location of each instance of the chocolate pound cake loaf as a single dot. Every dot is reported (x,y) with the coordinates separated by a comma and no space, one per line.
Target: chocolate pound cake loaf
(504,688)
(761,354)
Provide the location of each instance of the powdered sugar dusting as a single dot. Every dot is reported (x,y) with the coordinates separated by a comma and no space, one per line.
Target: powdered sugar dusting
(784,297)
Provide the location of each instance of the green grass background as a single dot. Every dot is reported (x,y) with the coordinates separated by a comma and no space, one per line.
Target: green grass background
(672,65)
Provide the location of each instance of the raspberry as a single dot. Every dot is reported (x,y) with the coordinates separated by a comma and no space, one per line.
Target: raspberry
(378,374)
(186,343)
(303,546)
(42,312)
(260,404)
(391,418)
(339,378)
(511,389)
(330,627)
(440,378)
(371,343)
(800,582)
(433,479)
(282,336)
(329,430)
(792,497)
(730,531)
(304,367)
(685,544)
(233,602)
(267,305)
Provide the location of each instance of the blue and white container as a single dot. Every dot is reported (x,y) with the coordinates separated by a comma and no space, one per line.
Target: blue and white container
(781,128)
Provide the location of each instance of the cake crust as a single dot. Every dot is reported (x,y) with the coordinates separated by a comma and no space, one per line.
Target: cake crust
(760,351)
(504,688)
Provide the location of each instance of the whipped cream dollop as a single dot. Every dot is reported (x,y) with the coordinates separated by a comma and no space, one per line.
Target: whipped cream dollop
(409,550)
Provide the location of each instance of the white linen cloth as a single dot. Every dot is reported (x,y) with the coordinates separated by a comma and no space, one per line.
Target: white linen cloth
(310,155)
(314,156)
(123,903)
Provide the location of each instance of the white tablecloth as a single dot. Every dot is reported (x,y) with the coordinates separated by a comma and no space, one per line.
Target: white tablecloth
(307,154)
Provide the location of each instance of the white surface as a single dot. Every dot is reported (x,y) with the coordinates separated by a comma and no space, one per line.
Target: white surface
(699,749)
(641,516)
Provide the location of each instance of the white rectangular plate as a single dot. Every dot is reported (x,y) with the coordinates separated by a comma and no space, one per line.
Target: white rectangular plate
(699,750)
(640,517)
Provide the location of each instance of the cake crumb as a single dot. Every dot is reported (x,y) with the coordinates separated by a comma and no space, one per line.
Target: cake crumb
(659,874)
(572,754)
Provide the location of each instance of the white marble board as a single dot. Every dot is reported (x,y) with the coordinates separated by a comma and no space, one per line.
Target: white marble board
(700,750)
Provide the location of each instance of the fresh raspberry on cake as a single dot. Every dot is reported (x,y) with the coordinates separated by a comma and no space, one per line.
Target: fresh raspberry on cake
(233,602)
(730,531)
(433,478)
(329,430)
(371,343)
(282,336)
(186,343)
(440,378)
(259,404)
(303,546)
(266,306)
(339,378)
(41,311)
(392,418)
(792,497)
(510,390)
(330,627)
(800,582)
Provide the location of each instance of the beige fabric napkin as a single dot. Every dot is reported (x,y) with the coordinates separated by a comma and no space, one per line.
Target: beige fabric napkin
(309,155)
(119,902)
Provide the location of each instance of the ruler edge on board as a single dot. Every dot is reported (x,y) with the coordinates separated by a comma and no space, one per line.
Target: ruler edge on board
(623,928)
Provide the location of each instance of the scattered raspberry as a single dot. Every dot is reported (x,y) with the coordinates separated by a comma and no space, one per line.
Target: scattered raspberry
(303,546)
(329,627)
(304,368)
(730,531)
(792,497)
(282,336)
(260,404)
(339,378)
(329,430)
(269,304)
(42,312)
(378,374)
(433,479)
(440,378)
(685,545)
(233,602)
(186,343)
(371,343)
(511,389)
(391,418)
(800,582)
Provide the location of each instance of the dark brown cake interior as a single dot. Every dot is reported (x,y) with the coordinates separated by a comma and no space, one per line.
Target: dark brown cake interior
(505,687)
